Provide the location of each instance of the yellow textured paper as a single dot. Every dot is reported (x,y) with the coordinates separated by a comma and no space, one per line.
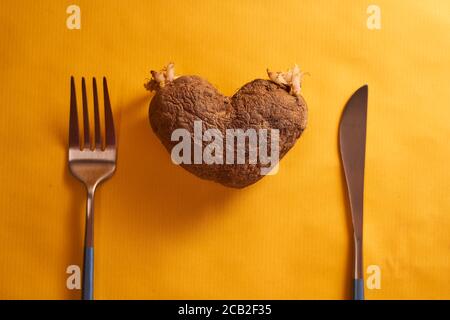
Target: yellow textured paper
(161,232)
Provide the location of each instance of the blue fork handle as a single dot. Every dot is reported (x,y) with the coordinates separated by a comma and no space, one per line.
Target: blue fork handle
(358,289)
(88,274)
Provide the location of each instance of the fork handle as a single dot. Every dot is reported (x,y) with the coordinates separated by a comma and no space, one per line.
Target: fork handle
(88,274)
(88,271)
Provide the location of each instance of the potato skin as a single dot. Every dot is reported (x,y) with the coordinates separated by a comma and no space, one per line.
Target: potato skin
(260,104)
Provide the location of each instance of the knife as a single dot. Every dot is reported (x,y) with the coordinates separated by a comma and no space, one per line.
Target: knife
(352,143)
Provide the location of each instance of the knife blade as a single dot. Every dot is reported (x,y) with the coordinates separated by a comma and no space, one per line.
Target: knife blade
(352,143)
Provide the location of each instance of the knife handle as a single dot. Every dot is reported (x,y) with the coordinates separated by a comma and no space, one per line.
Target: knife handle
(358,289)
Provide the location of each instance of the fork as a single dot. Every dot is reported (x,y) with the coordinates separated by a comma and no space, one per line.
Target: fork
(91,164)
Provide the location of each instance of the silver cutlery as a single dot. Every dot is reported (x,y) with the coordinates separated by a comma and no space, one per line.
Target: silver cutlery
(91,163)
(352,141)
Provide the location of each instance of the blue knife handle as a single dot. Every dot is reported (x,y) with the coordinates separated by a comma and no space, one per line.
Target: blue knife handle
(88,274)
(358,289)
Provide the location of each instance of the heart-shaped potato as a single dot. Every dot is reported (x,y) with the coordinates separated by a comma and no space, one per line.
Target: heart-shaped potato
(260,104)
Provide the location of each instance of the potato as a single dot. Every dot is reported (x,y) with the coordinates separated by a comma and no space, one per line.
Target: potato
(192,105)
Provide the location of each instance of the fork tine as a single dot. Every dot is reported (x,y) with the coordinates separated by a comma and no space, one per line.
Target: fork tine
(98,138)
(110,137)
(87,141)
(74,140)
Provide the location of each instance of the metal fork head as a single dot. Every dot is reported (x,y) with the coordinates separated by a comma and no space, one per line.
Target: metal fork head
(91,163)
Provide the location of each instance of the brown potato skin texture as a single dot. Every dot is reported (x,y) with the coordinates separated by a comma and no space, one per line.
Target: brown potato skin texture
(260,104)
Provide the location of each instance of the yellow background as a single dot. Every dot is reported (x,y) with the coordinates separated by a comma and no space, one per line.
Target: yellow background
(161,232)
